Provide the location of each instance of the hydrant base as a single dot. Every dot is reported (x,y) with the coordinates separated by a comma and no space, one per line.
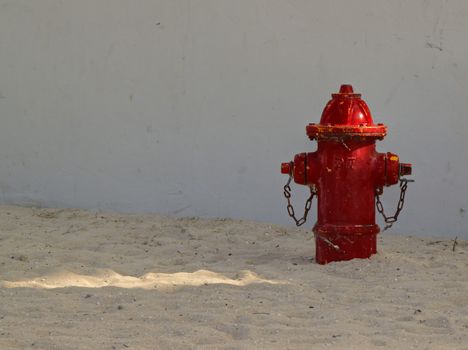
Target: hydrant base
(338,247)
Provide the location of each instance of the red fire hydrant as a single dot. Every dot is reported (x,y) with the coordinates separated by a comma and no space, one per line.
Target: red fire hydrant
(347,175)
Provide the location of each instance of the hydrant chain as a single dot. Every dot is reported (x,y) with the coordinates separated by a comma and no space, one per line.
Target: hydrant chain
(308,203)
(389,220)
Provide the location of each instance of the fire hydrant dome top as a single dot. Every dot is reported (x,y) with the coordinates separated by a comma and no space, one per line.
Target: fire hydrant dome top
(346,114)
(346,108)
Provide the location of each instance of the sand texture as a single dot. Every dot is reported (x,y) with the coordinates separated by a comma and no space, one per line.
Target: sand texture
(72,279)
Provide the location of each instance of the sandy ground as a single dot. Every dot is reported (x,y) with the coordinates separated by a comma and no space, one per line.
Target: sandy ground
(72,279)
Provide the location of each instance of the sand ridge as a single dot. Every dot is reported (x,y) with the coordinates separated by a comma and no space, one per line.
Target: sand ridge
(150,280)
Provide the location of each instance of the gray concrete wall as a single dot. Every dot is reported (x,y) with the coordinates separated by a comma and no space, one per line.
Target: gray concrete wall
(189,107)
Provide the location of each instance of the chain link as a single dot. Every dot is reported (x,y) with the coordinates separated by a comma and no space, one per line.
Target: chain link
(390,220)
(308,203)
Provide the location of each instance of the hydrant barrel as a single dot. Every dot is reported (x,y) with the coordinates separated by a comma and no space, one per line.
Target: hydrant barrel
(347,173)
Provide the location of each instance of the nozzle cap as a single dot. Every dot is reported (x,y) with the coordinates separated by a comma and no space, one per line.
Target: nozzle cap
(405,169)
(286,168)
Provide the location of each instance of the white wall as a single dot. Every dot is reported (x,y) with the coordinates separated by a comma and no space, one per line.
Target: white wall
(189,107)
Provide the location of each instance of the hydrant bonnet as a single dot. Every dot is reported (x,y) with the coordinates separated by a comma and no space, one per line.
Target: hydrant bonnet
(346,115)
